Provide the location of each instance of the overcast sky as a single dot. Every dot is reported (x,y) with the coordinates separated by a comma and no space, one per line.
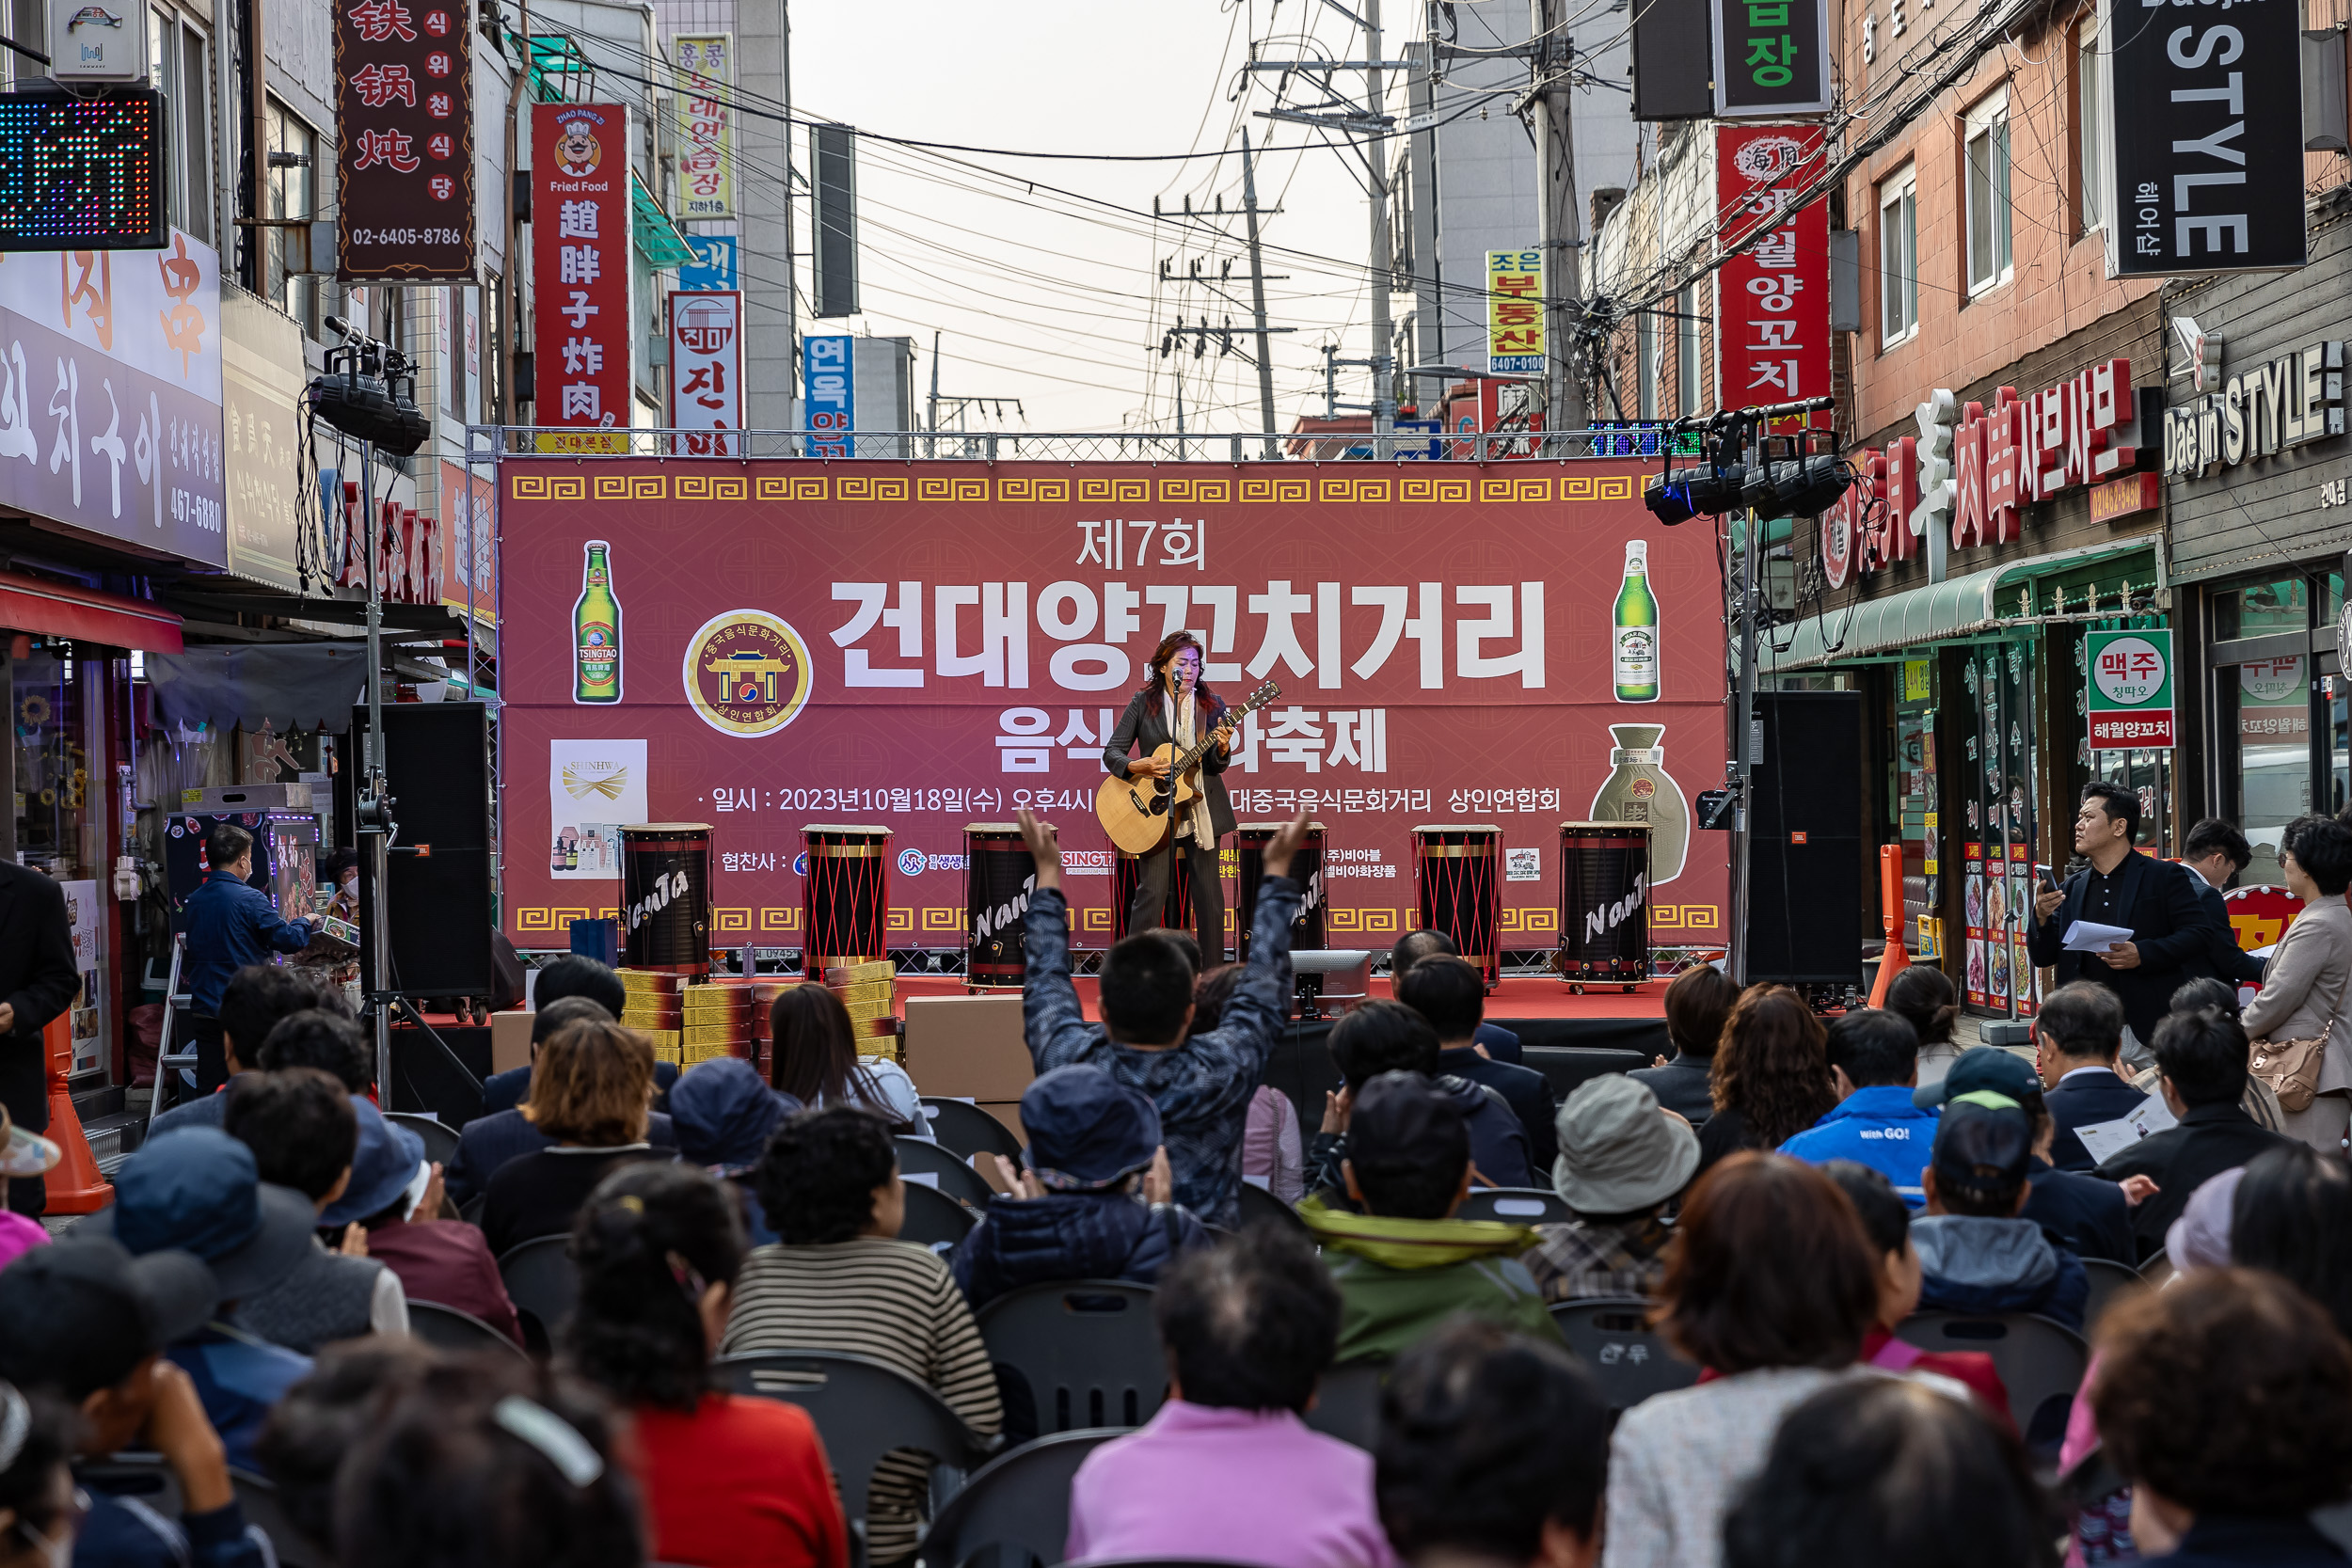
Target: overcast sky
(1055,300)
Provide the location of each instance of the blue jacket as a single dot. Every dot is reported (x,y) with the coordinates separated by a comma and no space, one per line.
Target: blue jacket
(126,1533)
(1500,1044)
(1974,1263)
(238,1377)
(230,925)
(1878,1127)
(1032,1241)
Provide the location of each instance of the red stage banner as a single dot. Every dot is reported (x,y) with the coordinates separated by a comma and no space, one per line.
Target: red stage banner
(922,645)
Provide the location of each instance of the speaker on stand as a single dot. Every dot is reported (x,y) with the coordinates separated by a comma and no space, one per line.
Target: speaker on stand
(1805,839)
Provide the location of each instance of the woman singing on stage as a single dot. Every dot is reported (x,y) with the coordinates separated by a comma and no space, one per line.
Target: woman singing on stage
(1175,707)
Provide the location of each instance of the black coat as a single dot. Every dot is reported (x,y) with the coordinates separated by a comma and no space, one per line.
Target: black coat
(2157,902)
(1526,1091)
(2208,1141)
(2086,1101)
(2086,1217)
(2225,959)
(1685,1085)
(37,980)
(1144,728)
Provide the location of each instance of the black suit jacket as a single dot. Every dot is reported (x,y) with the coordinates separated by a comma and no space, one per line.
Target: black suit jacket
(1526,1091)
(489,1141)
(1685,1085)
(37,978)
(2086,1101)
(1144,728)
(2086,1217)
(2208,1141)
(2157,902)
(2225,960)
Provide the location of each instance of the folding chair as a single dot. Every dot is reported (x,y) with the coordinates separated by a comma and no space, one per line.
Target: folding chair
(966,1131)
(921,1157)
(1348,1403)
(2110,1282)
(1018,1502)
(1258,1204)
(1612,1336)
(2042,1363)
(447,1328)
(1087,1349)
(934,1219)
(440,1138)
(1515,1206)
(542,1281)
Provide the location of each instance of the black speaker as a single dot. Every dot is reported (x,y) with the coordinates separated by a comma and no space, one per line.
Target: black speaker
(437,767)
(1805,838)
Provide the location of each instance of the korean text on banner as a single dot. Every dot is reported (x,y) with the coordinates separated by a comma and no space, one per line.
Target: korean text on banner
(2129,699)
(829,392)
(404,165)
(580,266)
(1771,300)
(1514,312)
(1772,59)
(706,371)
(706,161)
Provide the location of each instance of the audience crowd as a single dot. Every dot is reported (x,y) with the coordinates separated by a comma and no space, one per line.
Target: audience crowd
(231,1361)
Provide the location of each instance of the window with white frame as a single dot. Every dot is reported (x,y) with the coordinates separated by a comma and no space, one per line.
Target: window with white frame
(183,73)
(1645,365)
(1898,256)
(291,192)
(1986,130)
(2090,134)
(1689,400)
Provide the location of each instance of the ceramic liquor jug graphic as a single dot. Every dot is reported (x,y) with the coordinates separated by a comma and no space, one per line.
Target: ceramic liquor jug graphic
(1640,790)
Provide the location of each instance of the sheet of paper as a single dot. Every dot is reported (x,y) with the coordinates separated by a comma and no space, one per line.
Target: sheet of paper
(2105,1139)
(2088,936)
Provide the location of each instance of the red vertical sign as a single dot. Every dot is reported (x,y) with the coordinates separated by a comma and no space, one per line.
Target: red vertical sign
(580,262)
(1771,300)
(404,164)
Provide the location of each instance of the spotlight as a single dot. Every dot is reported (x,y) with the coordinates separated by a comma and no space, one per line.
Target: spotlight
(368,392)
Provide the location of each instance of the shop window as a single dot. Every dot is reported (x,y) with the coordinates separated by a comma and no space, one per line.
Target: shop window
(292,193)
(2090,135)
(2259,608)
(60,799)
(1987,146)
(2000,845)
(183,73)
(1899,258)
(2274,745)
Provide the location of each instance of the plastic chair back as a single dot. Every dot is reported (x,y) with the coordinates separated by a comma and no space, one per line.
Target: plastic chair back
(921,1157)
(1086,1348)
(263,1511)
(1515,1206)
(863,1409)
(440,1138)
(966,1131)
(2157,1269)
(1258,1204)
(542,1280)
(933,1219)
(1614,1339)
(1348,1403)
(1018,1500)
(447,1328)
(471,1210)
(147,1477)
(2042,1363)
(2110,1282)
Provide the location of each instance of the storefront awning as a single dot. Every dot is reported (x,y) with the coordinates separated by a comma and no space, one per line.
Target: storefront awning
(86,615)
(295,686)
(1939,612)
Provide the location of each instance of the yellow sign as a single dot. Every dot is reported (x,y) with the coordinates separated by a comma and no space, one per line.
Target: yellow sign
(1514,312)
(1916,683)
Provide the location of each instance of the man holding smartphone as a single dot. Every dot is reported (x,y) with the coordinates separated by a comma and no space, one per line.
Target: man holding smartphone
(2157,901)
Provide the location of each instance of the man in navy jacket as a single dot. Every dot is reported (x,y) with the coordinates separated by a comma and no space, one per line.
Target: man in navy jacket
(230,925)
(2076,1037)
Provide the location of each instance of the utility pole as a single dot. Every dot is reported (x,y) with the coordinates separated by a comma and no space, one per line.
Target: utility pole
(932,444)
(1742,729)
(1558,230)
(1256,298)
(1376,182)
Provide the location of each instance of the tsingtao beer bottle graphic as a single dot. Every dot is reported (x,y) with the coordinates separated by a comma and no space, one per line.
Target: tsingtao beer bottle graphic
(1634,638)
(596,631)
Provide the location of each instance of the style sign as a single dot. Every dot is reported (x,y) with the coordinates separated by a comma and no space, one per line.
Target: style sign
(706,157)
(1771,300)
(706,371)
(404,163)
(1514,312)
(2129,700)
(2208,174)
(579,210)
(1771,58)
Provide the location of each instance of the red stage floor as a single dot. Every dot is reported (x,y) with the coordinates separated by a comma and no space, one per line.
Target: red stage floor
(1515,998)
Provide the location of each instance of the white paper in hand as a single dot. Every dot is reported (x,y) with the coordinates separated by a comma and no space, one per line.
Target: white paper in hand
(2105,1139)
(2088,936)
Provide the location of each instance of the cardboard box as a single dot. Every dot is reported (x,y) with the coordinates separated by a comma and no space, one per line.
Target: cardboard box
(968,1047)
(510,1040)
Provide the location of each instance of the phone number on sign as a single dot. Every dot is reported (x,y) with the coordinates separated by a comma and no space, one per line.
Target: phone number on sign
(407,236)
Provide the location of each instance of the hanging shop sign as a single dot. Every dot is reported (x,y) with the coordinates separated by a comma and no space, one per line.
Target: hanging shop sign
(706,160)
(2208,175)
(1771,58)
(404,164)
(2129,698)
(580,211)
(2281,404)
(2004,456)
(1514,312)
(1771,300)
(706,371)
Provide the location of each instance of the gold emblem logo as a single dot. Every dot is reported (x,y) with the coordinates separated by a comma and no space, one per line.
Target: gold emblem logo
(747,672)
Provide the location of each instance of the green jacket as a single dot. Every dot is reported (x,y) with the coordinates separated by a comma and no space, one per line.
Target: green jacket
(1399,1278)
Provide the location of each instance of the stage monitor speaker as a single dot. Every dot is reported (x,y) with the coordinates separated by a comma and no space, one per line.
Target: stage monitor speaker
(436,766)
(1805,838)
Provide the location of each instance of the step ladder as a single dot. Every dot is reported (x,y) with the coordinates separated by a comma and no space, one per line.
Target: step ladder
(169,1064)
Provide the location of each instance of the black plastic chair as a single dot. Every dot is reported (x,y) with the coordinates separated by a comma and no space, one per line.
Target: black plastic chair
(471,1210)
(447,1328)
(934,1219)
(1612,1336)
(964,1129)
(2110,1282)
(542,1281)
(921,1157)
(441,1139)
(1258,1204)
(1515,1206)
(2042,1363)
(147,1477)
(1016,1502)
(264,1512)
(2157,1269)
(863,1410)
(1348,1403)
(1086,1348)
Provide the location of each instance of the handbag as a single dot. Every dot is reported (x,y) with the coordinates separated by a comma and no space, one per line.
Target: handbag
(2291,1068)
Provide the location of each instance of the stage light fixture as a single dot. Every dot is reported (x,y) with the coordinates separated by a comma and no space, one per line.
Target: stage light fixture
(369,393)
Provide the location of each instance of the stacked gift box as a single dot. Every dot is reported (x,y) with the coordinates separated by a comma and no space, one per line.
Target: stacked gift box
(871,992)
(719,1021)
(657,1008)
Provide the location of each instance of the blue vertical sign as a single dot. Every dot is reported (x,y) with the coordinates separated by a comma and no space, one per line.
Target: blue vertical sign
(828,390)
(713,267)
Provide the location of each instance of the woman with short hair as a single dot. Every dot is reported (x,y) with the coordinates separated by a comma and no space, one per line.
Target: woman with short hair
(591,1091)
(2309,974)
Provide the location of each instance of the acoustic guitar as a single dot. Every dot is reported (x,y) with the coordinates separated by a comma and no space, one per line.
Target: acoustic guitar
(1139,813)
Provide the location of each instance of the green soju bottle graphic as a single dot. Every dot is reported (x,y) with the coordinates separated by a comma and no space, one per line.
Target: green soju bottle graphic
(1633,641)
(596,631)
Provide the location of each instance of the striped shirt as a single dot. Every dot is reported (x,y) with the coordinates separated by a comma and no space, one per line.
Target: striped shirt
(892,1302)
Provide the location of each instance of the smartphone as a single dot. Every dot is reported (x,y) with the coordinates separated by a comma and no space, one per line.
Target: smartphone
(2049,879)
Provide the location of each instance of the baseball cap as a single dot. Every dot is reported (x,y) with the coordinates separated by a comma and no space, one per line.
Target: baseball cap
(1086,1129)
(197,1189)
(80,1315)
(1401,1120)
(1983,1148)
(1983,1066)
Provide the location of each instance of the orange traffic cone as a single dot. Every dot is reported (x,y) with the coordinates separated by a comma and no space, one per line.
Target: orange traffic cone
(74,1186)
